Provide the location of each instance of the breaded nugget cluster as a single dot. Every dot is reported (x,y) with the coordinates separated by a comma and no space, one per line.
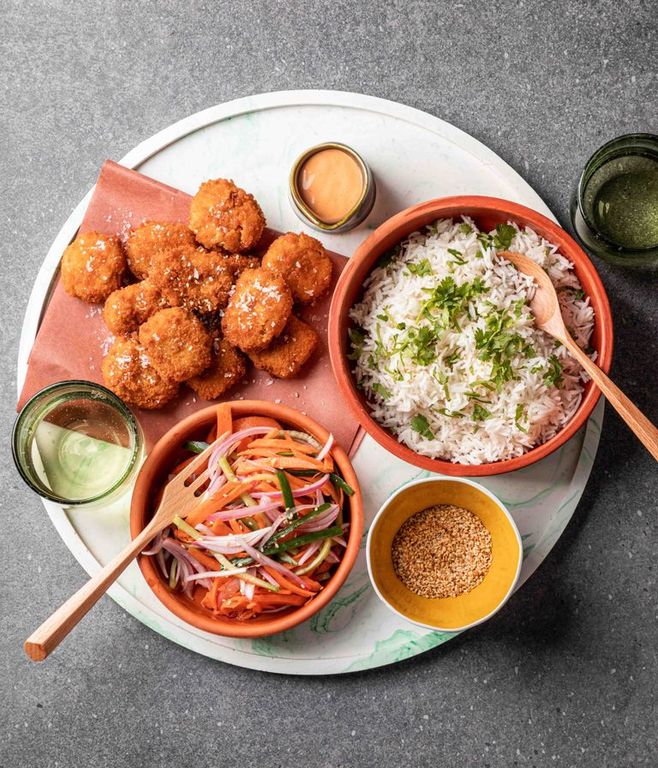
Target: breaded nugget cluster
(202,306)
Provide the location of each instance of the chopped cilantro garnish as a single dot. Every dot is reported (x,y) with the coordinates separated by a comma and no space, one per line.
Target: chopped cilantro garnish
(383,317)
(480,413)
(421,268)
(422,343)
(520,413)
(484,239)
(401,326)
(579,294)
(504,236)
(386,258)
(465,228)
(420,424)
(451,414)
(357,338)
(447,300)
(553,375)
(498,345)
(458,256)
(381,390)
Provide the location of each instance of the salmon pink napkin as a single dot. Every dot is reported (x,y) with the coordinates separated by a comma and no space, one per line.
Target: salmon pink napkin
(72,337)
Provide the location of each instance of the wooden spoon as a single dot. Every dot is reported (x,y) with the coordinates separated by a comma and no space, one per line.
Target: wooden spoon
(546,309)
(178,499)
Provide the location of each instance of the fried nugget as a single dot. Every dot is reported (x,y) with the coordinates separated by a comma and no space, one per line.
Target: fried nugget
(238,262)
(93,266)
(258,310)
(150,238)
(227,368)
(126,309)
(222,214)
(192,278)
(288,353)
(129,373)
(177,343)
(303,262)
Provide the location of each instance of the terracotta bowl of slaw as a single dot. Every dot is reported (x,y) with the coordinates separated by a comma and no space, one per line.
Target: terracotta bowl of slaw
(487,212)
(154,474)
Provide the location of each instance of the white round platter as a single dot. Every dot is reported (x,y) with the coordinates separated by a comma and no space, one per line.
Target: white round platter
(414,157)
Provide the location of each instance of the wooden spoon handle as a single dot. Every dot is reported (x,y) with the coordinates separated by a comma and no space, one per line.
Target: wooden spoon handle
(645,431)
(55,628)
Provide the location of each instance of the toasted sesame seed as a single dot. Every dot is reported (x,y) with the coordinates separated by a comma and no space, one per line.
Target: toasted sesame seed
(442,551)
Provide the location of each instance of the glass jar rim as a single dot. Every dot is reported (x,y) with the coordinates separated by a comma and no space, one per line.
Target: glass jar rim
(108,396)
(614,148)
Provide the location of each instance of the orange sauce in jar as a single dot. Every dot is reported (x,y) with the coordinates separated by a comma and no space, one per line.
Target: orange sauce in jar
(330,182)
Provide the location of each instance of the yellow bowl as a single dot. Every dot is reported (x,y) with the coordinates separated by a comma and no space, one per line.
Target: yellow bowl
(448,614)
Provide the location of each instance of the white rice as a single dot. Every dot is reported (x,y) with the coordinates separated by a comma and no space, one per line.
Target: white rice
(438,395)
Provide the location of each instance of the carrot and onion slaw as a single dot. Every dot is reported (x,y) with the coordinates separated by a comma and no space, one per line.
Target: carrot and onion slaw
(269,528)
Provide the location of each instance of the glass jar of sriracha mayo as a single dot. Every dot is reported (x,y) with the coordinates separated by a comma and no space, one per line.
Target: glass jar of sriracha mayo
(331,187)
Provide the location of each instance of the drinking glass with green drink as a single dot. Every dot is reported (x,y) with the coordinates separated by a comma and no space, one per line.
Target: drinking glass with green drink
(614,209)
(77,444)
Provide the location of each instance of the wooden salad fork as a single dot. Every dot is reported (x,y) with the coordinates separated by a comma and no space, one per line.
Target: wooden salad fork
(546,309)
(179,498)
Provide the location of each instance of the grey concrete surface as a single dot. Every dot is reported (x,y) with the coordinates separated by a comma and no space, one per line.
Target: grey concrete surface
(566,674)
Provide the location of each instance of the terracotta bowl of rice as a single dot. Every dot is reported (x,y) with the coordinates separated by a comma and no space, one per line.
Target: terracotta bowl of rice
(433,344)
(157,469)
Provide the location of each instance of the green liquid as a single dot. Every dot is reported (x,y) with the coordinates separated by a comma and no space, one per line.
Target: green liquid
(622,200)
(74,465)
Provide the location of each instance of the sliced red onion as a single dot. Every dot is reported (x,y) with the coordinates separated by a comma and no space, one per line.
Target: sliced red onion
(340,540)
(215,574)
(273,528)
(327,447)
(249,589)
(265,575)
(223,448)
(160,560)
(238,512)
(332,558)
(310,551)
(185,561)
(259,557)
(232,543)
(321,522)
(203,529)
(299,492)
(156,546)
(215,484)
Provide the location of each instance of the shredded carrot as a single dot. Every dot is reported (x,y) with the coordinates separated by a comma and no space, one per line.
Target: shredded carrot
(208,562)
(282,581)
(231,492)
(224,419)
(266,466)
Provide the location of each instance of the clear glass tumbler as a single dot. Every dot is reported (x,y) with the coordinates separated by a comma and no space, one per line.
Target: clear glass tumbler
(77,443)
(614,209)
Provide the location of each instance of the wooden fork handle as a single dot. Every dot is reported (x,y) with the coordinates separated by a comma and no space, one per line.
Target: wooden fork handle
(55,628)
(644,430)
